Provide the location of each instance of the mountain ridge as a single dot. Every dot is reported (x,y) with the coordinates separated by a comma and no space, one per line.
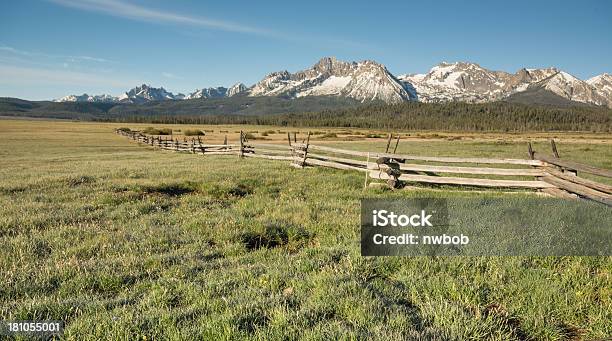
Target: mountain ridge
(368,80)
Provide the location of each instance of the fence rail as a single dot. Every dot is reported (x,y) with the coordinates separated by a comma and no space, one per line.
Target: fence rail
(549,174)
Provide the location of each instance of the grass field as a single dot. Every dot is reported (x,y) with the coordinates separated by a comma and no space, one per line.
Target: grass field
(121,241)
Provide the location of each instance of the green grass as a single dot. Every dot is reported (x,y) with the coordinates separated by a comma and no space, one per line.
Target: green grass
(121,241)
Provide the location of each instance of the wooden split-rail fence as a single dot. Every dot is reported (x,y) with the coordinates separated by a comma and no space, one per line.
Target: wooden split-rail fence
(546,173)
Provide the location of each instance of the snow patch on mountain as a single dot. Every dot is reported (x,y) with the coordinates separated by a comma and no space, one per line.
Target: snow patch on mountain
(470,82)
(236,89)
(331,86)
(217,92)
(146,93)
(363,81)
(87,98)
(572,88)
(459,82)
(603,84)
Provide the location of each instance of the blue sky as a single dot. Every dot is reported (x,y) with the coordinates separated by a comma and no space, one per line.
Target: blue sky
(52,48)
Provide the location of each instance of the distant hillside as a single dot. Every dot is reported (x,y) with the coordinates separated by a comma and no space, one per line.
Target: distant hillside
(454,116)
(236,105)
(70,110)
(336,112)
(542,96)
(457,116)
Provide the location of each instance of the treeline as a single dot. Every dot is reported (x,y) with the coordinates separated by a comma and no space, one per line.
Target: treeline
(497,116)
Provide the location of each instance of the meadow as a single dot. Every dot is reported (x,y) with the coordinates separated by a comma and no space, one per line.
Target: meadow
(122,241)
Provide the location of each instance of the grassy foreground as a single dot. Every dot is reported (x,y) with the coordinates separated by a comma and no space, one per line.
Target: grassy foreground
(125,242)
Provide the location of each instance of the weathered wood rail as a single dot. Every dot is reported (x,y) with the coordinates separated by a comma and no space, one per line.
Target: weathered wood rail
(549,174)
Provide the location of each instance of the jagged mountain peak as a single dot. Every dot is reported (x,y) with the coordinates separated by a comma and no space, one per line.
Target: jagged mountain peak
(87,98)
(327,64)
(463,81)
(217,92)
(145,93)
(364,81)
(603,84)
(284,74)
(470,82)
(536,75)
(604,77)
(459,64)
(574,89)
(236,89)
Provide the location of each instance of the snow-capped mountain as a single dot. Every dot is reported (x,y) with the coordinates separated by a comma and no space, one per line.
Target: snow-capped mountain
(218,92)
(603,83)
(458,82)
(574,89)
(208,93)
(236,89)
(139,94)
(363,81)
(146,93)
(470,82)
(87,98)
(370,81)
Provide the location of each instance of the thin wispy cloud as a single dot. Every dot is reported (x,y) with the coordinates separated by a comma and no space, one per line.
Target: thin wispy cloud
(32,54)
(131,11)
(18,75)
(170,75)
(90,59)
(123,9)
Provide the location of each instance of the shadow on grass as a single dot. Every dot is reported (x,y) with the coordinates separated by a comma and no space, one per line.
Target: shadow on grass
(276,234)
(171,190)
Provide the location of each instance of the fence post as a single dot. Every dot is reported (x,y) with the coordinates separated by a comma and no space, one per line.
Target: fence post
(294,137)
(532,157)
(530,150)
(306,149)
(554,148)
(388,143)
(201,146)
(396,143)
(176,144)
(553,145)
(241,153)
(289,139)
